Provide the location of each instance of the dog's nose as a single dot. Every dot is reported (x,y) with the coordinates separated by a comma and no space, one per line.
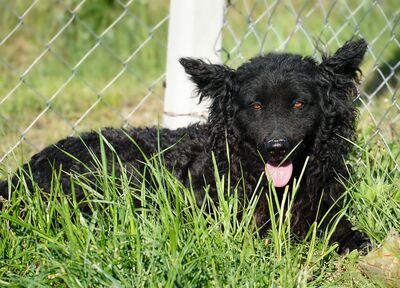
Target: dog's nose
(277,149)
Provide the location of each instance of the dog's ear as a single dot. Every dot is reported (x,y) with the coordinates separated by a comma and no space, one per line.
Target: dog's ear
(340,73)
(212,80)
(347,59)
(215,82)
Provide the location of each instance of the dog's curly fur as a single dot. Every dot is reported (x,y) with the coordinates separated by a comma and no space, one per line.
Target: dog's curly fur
(320,129)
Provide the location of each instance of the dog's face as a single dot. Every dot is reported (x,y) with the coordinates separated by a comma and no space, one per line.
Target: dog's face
(277,107)
(278,102)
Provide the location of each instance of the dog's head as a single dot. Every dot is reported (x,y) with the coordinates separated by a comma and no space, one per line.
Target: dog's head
(286,106)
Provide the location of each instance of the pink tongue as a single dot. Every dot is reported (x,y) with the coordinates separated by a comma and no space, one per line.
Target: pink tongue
(280,175)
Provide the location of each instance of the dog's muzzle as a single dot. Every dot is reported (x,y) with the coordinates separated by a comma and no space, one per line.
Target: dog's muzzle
(277,172)
(276,150)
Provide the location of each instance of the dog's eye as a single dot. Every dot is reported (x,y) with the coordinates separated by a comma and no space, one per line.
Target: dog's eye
(256,106)
(297,104)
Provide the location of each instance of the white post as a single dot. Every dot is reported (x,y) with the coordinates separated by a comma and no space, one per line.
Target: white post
(194,28)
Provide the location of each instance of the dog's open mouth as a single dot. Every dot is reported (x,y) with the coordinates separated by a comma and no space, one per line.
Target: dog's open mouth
(279,174)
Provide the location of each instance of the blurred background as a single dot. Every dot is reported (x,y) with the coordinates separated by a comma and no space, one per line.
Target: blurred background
(75,65)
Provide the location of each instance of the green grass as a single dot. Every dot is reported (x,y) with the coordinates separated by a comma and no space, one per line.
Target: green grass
(171,242)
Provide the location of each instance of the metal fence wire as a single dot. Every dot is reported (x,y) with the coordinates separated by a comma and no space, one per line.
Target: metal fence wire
(73,65)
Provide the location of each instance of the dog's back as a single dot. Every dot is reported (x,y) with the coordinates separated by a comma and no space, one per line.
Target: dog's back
(81,155)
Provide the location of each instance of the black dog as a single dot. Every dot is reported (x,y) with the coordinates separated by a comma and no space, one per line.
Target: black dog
(272,108)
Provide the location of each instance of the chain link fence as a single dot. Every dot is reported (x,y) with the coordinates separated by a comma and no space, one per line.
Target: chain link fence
(68,66)
(73,65)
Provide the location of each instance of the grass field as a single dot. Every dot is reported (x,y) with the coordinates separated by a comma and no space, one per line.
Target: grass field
(171,242)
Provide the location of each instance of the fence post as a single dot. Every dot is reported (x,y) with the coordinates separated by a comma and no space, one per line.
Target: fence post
(194,28)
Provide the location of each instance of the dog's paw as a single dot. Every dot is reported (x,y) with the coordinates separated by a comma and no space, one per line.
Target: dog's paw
(356,241)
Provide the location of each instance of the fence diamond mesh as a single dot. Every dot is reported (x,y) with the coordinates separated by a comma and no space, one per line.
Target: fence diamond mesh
(69,66)
(73,65)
